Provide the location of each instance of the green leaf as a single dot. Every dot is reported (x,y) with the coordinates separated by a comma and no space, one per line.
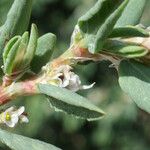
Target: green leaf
(18,142)
(4,8)
(125,49)
(67,101)
(31,48)
(16,23)
(134,79)
(8,62)
(129,31)
(21,52)
(132,14)
(44,51)
(8,47)
(97,24)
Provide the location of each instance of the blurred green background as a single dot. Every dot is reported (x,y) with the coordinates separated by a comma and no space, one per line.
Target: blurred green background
(125,126)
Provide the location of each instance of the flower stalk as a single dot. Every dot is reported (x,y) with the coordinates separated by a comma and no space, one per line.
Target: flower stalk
(51,75)
(53,72)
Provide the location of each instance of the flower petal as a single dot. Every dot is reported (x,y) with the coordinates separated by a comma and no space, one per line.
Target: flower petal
(10,124)
(84,87)
(20,110)
(24,119)
(14,118)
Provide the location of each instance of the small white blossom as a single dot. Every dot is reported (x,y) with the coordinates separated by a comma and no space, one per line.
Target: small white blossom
(12,116)
(65,78)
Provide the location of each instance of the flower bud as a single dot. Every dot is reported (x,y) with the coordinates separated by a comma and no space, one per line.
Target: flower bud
(19,53)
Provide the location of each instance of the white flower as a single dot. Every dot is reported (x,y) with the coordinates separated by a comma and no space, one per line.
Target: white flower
(65,78)
(11,116)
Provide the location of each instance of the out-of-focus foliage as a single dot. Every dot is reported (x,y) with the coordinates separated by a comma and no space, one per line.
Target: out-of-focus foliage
(124,127)
(4,7)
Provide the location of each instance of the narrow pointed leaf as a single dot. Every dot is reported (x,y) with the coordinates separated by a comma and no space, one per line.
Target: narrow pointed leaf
(132,14)
(67,101)
(97,24)
(44,51)
(9,46)
(21,51)
(18,142)
(129,31)
(134,79)
(8,66)
(31,48)
(125,49)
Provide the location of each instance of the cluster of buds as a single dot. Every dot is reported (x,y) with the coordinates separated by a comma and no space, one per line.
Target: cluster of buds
(12,116)
(18,54)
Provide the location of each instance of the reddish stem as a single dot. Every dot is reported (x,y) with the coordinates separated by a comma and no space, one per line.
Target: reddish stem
(4,98)
(17,89)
